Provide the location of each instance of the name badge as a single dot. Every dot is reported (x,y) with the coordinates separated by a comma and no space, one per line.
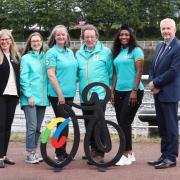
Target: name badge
(126,56)
(96,57)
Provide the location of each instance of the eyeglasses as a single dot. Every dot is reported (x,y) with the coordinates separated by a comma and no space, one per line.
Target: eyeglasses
(36,41)
(7,39)
(89,37)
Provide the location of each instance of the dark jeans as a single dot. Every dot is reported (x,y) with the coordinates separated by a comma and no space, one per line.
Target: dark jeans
(60,113)
(92,140)
(125,113)
(7,109)
(166,113)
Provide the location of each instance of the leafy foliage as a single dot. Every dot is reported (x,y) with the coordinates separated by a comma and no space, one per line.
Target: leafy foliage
(24,16)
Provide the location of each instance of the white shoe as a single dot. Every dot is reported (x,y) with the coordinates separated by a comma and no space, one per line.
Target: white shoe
(132,157)
(31,158)
(123,161)
(39,158)
(56,158)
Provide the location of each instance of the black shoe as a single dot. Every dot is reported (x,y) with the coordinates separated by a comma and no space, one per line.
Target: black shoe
(84,157)
(62,157)
(65,154)
(89,163)
(9,161)
(2,165)
(166,163)
(156,162)
(98,159)
(93,154)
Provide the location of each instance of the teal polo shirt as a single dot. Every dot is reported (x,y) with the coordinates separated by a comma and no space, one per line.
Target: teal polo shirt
(125,67)
(66,70)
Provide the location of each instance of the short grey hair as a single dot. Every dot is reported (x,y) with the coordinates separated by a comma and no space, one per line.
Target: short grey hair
(89,27)
(168,20)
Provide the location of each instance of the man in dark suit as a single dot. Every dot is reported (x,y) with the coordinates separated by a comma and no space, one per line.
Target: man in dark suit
(165,85)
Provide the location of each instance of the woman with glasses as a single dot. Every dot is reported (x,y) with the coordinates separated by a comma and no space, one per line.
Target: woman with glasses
(33,83)
(9,90)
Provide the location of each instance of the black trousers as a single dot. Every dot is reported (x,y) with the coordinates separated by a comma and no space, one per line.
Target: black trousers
(60,113)
(92,140)
(125,113)
(7,110)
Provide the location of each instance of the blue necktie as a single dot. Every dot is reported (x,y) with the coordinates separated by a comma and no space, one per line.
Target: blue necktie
(160,54)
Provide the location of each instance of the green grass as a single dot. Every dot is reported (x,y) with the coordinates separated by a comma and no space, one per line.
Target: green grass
(145,139)
(20,137)
(17,137)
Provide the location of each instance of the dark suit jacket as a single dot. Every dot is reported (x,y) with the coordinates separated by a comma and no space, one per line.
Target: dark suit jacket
(4,74)
(166,74)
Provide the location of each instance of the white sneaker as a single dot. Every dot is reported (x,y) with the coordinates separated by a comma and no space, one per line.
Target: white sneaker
(56,158)
(39,158)
(123,161)
(132,157)
(31,158)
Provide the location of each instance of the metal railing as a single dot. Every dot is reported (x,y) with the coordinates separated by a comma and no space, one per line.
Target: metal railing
(148,103)
(77,44)
(19,121)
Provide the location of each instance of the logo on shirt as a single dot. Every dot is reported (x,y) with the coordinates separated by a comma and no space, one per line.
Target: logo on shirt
(127,56)
(96,57)
(21,68)
(47,62)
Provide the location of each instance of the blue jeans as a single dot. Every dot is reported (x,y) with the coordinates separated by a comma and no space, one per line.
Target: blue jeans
(34,117)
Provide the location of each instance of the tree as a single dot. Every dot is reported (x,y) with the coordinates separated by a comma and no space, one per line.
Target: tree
(17,15)
(102,13)
(24,16)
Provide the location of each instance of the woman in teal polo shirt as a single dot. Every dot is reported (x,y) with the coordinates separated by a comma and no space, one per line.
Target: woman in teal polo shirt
(62,72)
(127,88)
(34,99)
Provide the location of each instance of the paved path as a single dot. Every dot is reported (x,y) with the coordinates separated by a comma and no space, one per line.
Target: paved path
(78,170)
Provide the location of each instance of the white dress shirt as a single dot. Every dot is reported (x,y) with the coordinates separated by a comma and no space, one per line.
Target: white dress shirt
(11,88)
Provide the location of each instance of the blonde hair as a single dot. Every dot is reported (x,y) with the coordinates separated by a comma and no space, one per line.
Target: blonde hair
(13,49)
(51,39)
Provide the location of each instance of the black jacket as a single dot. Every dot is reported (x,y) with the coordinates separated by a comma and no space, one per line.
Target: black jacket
(4,74)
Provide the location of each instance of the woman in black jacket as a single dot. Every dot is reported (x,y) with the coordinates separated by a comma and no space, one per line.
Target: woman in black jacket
(9,90)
